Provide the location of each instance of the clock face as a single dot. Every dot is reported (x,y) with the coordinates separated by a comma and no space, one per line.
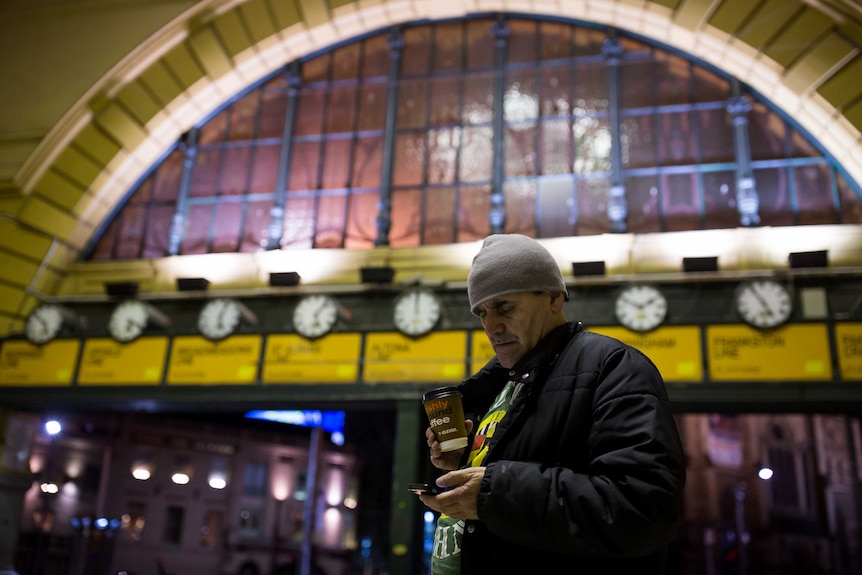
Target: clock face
(641,307)
(128,320)
(764,303)
(219,318)
(417,311)
(44,323)
(315,315)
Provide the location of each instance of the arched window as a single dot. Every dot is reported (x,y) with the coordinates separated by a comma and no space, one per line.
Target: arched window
(444,132)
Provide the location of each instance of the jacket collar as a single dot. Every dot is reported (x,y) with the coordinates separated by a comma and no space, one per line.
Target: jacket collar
(545,353)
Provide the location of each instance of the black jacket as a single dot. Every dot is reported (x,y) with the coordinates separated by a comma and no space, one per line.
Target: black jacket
(585,472)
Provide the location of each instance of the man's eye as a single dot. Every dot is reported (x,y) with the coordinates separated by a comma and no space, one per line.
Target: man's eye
(506,310)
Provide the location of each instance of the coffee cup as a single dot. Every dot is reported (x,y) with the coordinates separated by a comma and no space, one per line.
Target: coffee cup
(446,416)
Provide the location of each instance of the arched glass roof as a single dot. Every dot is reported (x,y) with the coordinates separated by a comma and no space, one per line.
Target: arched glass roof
(445,132)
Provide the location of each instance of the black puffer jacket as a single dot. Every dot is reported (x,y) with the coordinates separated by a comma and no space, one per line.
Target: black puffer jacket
(585,472)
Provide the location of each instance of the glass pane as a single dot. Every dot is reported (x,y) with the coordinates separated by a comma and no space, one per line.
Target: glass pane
(131,234)
(375,59)
(168,177)
(589,42)
(309,112)
(802,147)
(412,104)
(673,79)
(715,136)
(643,203)
(340,112)
(637,84)
(774,192)
(480,44)
(234,178)
(766,133)
(445,100)
(345,61)
(523,42)
(372,115)
(254,233)
(406,217)
(639,142)
(439,225)
(556,41)
(591,88)
(680,201)
(416,54)
(676,139)
(316,69)
(555,203)
(520,202)
(331,221)
(197,230)
(473,205)
(709,87)
(243,115)
(144,193)
(104,249)
(273,108)
(555,88)
(299,216)
(719,195)
(592,138)
(409,159)
(478,98)
(477,154)
(205,174)
(520,151)
(227,227)
(264,174)
(443,154)
(367,162)
(304,165)
(158,229)
(336,164)
(556,147)
(520,101)
(851,202)
(592,207)
(362,220)
(814,195)
(214,130)
(447,46)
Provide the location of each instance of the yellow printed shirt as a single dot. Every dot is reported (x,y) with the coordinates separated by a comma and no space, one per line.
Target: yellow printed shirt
(446,555)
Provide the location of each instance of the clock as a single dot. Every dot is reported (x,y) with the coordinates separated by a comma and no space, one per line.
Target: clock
(315,315)
(221,317)
(130,318)
(45,323)
(640,307)
(764,303)
(416,311)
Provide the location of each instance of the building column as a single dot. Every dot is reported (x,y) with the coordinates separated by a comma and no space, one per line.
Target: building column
(404,526)
(16,437)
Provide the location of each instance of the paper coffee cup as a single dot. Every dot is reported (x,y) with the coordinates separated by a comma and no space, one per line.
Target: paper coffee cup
(446,416)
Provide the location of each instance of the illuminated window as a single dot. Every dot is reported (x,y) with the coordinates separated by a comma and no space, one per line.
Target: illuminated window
(552,156)
(211,529)
(133,521)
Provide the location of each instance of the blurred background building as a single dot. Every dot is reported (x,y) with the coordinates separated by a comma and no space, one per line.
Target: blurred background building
(209,208)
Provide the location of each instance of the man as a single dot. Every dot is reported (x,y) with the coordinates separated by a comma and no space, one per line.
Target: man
(576,465)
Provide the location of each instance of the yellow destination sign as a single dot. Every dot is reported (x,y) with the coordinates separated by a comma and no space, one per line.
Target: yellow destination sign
(675,350)
(199,361)
(294,359)
(848,340)
(792,352)
(22,363)
(108,362)
(481,351)
(396,358)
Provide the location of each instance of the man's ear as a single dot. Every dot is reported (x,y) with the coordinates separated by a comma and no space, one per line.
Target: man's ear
(558,300)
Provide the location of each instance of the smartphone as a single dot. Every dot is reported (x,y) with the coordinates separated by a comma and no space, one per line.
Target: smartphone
(425,488)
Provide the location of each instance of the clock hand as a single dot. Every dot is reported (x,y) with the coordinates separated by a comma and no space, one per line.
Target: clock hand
(762,300)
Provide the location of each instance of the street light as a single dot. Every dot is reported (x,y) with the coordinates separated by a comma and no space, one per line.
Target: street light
(53,427)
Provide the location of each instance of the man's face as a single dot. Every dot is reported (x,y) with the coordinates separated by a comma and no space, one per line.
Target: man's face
(515,323)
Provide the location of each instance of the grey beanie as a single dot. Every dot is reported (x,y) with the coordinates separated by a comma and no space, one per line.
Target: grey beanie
(511,263)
